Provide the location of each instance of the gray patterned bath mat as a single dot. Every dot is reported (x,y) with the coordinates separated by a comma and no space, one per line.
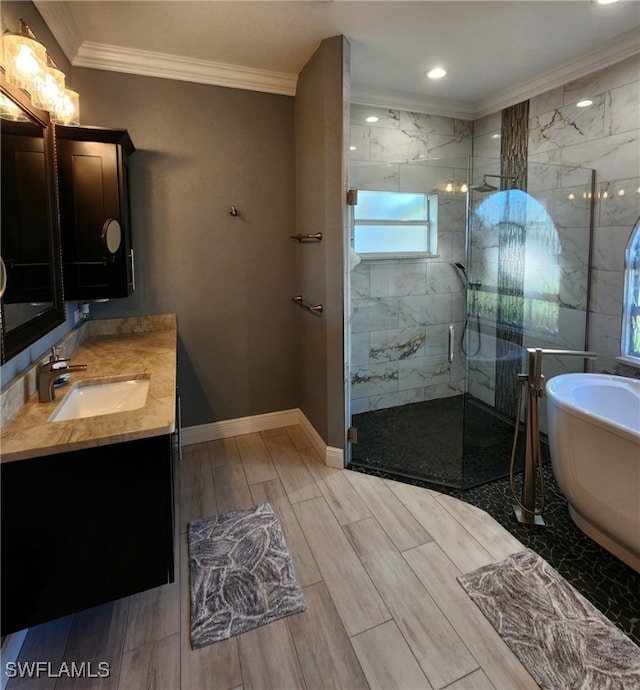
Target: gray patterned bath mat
(241,574)
(559,636)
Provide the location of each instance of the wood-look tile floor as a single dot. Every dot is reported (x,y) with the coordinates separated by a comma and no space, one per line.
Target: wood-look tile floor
(378,562)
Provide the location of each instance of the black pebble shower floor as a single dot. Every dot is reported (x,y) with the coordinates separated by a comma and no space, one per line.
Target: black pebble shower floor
(610,585)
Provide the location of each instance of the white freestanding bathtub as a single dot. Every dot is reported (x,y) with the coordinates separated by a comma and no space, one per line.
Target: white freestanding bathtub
(594,439)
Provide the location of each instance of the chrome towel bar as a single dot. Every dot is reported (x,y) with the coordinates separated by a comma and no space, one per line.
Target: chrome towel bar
(316,309)
(317,236)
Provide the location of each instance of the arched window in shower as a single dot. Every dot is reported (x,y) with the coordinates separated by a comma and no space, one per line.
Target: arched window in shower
(517,251)
(630,342)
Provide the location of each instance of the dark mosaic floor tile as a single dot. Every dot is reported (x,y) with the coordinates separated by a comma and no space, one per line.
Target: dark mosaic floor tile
(426,441)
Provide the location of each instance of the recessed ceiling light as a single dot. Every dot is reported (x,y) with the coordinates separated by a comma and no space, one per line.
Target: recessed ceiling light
(584,103)
(495,136)
(436,73)
(372,118)
(605,2)
(352,148)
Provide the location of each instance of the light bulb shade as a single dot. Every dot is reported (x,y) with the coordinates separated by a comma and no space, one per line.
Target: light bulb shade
(67,109)
(10,111)
(49,89)
(25,61)
(1,43)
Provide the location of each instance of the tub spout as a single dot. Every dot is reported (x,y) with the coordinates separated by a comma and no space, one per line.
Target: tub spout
(525,510)
(535,377)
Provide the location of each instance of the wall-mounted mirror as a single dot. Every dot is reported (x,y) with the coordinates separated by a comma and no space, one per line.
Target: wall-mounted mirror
(112,236)
(32,302)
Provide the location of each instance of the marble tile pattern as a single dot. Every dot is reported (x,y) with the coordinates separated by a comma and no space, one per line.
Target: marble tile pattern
(401,309)
(559,636)
(143,345)
(605,137)
(241,574)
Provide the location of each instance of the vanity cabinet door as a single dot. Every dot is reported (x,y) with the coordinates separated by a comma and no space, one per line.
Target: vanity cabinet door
(94,212)
(83,528)
(26,248)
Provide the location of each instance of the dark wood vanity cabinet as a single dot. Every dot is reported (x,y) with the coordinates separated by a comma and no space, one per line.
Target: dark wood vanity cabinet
(85,527)
(93,181)
(26,243)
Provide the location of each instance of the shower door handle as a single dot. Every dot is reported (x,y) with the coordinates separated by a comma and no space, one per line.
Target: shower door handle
(452,340)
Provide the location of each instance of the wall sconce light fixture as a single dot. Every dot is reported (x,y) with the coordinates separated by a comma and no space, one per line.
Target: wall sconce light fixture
(452,187)
(27,66)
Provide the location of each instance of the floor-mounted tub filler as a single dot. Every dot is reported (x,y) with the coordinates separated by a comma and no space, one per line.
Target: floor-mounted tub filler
(594,439)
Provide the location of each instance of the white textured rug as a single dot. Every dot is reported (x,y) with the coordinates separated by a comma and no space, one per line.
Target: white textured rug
(559,636)
(241,574)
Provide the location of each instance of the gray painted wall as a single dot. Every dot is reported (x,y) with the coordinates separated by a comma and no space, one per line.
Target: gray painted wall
(244,348)
(321,113)
(200,149)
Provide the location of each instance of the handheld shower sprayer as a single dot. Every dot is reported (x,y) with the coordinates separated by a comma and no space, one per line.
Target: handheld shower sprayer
(462,270)
(464,277)
(472,311)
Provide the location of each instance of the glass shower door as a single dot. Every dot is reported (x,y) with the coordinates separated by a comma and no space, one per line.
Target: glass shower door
(407,394)
(528,260)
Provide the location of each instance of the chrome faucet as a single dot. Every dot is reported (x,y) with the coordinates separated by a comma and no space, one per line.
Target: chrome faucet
(49,372)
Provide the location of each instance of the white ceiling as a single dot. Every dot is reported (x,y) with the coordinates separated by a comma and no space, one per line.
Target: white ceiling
(496,52)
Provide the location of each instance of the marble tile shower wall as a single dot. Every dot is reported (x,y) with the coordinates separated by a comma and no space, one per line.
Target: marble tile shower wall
(401,309)
(605,137)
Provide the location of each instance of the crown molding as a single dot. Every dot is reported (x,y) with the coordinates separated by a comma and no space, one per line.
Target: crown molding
(430,106)
(162,65)
(60,22)
(607,54)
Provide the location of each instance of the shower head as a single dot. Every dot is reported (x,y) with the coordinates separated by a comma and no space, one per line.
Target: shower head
(487,187)
(484,187)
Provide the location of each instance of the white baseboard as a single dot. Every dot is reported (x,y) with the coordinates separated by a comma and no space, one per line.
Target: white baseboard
(333,457)
(10,651)
(239,426)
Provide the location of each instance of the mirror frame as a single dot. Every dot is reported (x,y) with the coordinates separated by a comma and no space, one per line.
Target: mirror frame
(19,338)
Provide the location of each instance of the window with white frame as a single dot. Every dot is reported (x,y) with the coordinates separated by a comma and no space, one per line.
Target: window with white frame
(630,341)
(395,225)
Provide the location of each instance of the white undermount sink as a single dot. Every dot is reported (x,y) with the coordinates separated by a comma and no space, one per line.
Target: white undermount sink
(93,398)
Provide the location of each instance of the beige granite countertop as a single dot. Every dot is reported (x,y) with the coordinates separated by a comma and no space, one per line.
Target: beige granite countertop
(126,348)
